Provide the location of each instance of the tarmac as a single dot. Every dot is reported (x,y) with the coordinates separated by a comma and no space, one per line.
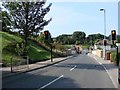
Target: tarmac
(109,66)
(6,71)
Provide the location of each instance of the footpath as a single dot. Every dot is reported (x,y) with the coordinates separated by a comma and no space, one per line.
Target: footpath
(109,67)
(6,71)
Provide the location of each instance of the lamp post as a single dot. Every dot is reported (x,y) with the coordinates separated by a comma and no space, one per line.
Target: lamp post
(104,47)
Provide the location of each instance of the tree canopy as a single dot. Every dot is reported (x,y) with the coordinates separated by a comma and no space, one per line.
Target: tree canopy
(79,38)
(28,17)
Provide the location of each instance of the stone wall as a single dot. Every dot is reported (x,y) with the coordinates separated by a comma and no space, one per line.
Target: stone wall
(97,52)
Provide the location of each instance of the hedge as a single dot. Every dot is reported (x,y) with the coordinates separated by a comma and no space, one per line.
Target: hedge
(113,56)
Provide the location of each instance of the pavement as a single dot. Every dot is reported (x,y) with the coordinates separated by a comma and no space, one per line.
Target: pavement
(6,71)
(110,68)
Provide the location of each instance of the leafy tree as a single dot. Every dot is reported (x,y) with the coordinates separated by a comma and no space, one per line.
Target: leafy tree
(79,36)
(64,39)
(41,37)
(77,42)
(91,39)
(5,21)
(28,17)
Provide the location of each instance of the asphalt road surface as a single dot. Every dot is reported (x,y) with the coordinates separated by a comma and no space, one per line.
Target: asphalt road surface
(81,71)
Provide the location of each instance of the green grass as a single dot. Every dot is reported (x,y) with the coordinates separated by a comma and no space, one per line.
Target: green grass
(37,53)
(9,39)
(8,43)
(67,46)
(85,46)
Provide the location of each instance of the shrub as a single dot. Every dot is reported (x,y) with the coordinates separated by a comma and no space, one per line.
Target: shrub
(21,49)
(113,56)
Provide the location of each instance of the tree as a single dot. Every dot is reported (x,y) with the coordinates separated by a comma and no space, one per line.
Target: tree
(65,39)
(91,39)
(5,21)
(41,38)
(77,42)
(28,17)
(79,36)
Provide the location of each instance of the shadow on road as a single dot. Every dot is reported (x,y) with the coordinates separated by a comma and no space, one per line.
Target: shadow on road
(87,66)
(33,81)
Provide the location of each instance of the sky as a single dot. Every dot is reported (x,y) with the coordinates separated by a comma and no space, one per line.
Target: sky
(69,17)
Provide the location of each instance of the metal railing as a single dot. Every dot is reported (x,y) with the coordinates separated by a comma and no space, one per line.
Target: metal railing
(19,64)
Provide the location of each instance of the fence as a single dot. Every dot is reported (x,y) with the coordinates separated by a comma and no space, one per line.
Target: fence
(19,64)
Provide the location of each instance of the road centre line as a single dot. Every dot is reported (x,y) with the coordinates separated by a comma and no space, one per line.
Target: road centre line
(51,82)
(73,68)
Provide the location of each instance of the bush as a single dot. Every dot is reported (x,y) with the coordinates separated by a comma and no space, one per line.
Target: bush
(113,56)
(77,42)
(21,49)
(99,48)
(85,46)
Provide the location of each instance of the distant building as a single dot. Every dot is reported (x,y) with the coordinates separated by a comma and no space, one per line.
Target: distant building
(118,44)
(99,45)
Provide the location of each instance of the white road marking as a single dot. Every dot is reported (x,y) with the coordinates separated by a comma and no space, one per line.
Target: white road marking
(73,68)
(107,73)
(100,63)
(110,76)
(51,82)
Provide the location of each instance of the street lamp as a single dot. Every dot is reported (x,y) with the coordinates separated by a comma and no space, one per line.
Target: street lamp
(104,47)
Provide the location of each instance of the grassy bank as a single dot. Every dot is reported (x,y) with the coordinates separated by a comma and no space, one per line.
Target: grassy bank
(36,53)
(9,41)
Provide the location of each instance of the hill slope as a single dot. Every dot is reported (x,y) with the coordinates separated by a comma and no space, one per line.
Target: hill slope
(35,52)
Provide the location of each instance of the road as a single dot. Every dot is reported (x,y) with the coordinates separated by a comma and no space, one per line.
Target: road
(81,71)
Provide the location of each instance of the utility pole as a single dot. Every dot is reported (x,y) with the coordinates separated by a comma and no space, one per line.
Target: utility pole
(104,47)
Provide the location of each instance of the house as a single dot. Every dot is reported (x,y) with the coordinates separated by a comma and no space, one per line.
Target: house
(118,44)
(99,45)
